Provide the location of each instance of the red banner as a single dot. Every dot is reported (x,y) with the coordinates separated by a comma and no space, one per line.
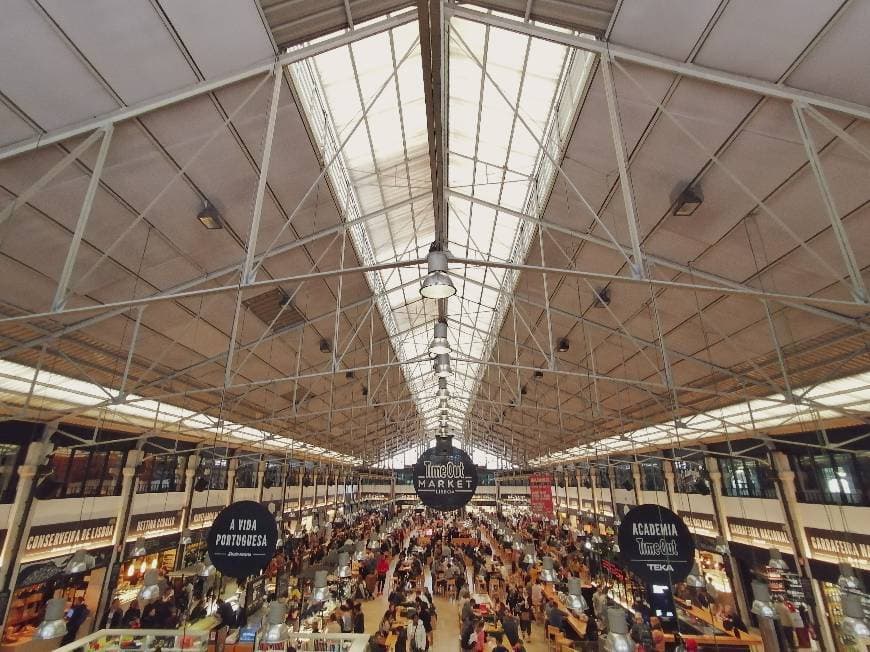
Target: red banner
(541,493)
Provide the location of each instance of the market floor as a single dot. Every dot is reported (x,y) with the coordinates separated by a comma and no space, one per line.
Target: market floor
(446,636)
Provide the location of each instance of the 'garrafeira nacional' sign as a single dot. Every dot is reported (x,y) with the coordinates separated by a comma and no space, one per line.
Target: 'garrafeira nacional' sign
(656,545)
(445,478)
(242,539)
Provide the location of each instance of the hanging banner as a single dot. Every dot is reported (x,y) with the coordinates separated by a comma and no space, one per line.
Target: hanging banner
(242,539)
(541,493)
(445,478)
(656,545)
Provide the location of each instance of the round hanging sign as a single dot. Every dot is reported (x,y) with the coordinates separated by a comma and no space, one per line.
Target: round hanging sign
(656,545)
(445,478)
(242,539)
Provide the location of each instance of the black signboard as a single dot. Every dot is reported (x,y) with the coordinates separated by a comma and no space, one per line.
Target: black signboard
(242,539)
(78,534)
(656,545)
(445,478)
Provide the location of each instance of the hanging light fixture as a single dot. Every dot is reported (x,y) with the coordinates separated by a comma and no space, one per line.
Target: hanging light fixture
(208,568)
(439,344)
(761,604)
(443,407)
(150,590)
(442,366)
(443,392)
(342,570)
(548,574)
(575,600)
(80,562)
(321,590)
(531,557)
(277,630)
(186,538)
(140,549)
(53,625)
(853,625)
(695,579)
(617,631)
(847,580)
(373,544)
(776,560)
(437,283)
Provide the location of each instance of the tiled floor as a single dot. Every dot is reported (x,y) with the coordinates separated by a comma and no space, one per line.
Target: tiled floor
(446,638)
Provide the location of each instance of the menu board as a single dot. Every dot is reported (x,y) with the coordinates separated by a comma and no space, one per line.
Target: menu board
(541,493)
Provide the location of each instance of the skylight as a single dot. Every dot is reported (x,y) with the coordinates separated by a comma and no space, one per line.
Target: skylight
(851,394)
(377,83)
(51,391)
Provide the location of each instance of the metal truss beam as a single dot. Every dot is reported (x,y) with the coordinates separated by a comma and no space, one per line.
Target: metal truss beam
(691,70)
(201,88)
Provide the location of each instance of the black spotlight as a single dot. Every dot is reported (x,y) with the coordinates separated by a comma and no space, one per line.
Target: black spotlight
(201,484)
(47,488)
(628,485)
(267,483)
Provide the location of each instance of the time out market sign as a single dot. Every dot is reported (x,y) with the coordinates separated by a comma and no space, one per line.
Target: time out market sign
(445,478)
(656,545)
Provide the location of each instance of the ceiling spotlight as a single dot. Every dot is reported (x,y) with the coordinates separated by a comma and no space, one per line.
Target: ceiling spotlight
(563,345)
(688,201)
(602,297)
(442,366)
(439,344)
(210,218)
(349,375)
(538,373)
(437,284)
(325,346)
(443,392)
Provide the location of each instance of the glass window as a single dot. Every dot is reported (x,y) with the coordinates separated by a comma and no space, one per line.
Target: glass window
(214,469)
(746,478)
(652,476)
(274,475)
(161,474)
(246,474)
(11,455)
(830,478)
(602,479)
(84,472)
(622,477)
(686,476)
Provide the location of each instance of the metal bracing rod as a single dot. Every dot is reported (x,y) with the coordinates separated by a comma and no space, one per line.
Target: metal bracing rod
(822,262)
(543,150)
(247,267)
(211,276)
(637,268)
(82,223)
(25,196)
(664,262)
(691,70)
(267,283)
(844,135)
(201,88)
(859,290)
(122,389)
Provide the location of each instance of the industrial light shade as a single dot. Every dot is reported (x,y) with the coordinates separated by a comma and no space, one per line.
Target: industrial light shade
(139,548)
(150,590)
(210,218)
(695,579)
(688,202)
(437,284)
(442,366)
(80,562)
(443,407)
(853,625)
(847,580)
(776,560)
(617,631)
(439,344)
(548,574)
(186,538)
(373,544)
(53,625)
(276,629)
(443,392)
(321,590)
(343,570)
(575,600)
(761,605)
(531,557)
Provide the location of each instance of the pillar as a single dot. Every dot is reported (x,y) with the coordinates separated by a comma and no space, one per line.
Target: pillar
(301,491)
(668,470)
(21,514)
(189,478)
(731,565)
(335,489)
(638,479)
(392,487)
(314,499)
(232,468)
(788,499)
(261,475)
(593,481)
(119,539)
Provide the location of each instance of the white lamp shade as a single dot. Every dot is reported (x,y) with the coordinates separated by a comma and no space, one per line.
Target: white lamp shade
(53,625)
(439,344)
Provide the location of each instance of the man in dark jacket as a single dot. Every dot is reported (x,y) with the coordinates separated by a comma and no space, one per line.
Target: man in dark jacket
(77,616)
(510,628)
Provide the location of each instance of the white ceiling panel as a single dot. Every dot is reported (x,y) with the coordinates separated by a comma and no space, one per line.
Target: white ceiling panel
(669,28)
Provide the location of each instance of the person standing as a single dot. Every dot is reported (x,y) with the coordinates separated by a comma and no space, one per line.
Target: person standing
(383,566)
(416,634)
(114,616)
(526,617)
(227,617)
(641,633)
(78,614)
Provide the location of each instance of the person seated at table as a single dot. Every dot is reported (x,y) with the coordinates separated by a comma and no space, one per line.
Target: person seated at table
(397,595)
(378,641)
(389,616)
(467,613)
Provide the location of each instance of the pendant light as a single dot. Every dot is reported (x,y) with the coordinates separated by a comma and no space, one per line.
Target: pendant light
(150,590)
(531,557)
(53,625)
(761,604)
(575,600)
(439,344)
(80,562)
(617,631)
(373,544)
(847,580)
(343,571)
(443,392)
(853,625)
(321,590)
(695,579)
(776,560)
(140,549)
(442,366)
(277,630)
(186,538)
(437,283)
(548,574)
